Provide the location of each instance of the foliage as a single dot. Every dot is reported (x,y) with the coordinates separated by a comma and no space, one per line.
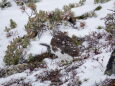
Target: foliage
(34,1)
(5,4)
(32,6)
(77,40)
(98,8)
(14,52)
(45,21)
(63,42)
(21,2)
(87,15)
(110,23)
(99,27)
(39,58)
(73,5)
(82,2)
(66,8)
(35,25)
(100,1)
(53,76)
(12,24)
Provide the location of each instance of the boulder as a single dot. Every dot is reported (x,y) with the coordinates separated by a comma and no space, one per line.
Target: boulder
(110,69)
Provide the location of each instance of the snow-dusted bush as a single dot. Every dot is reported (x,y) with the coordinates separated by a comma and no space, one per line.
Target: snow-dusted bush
(12,24)
(36,24)
(31,63)
(87,15)
(108,82)
(82,2)
(34,1)
(65,44)
(26,1)
(99,27)
(100,1)
(110,23)
(98,8)
(14,52)
(46,21)
(72,5)
(5,4)
(8,29)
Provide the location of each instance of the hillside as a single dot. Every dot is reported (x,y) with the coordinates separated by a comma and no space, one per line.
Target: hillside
(56,42)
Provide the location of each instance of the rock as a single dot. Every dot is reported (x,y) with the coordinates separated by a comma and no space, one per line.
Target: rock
(110,69)
(63,42)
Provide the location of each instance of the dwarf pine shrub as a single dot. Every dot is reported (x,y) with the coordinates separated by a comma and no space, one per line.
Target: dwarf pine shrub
(78,41)
(26,1)
(14,52)
(12,24)
(7,29)
(36,24)
(66,8)
(87,15)
(110,23)
(45,21)
(82,2)
(98,8)
(32,1)
(99,27)
(5,4)
(100,1)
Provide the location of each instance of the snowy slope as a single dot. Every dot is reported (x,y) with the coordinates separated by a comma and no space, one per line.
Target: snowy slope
(89,73)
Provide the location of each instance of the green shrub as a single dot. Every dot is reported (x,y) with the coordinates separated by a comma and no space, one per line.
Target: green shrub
(45,21)
(99,27)
(36,24)
(14,52)
(82,2)
(100,1)
(21,2)
(77,40)
(12,24)
(72,5)
(87,15)
(98,8)
(7,29)
(33,1)
(66,8)
(110,23)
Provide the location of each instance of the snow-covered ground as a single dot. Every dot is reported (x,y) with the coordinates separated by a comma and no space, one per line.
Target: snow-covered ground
(89,73)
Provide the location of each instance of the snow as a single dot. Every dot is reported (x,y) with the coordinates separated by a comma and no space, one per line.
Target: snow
(83,9)
(53,4)
(91,72)
(35,47)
